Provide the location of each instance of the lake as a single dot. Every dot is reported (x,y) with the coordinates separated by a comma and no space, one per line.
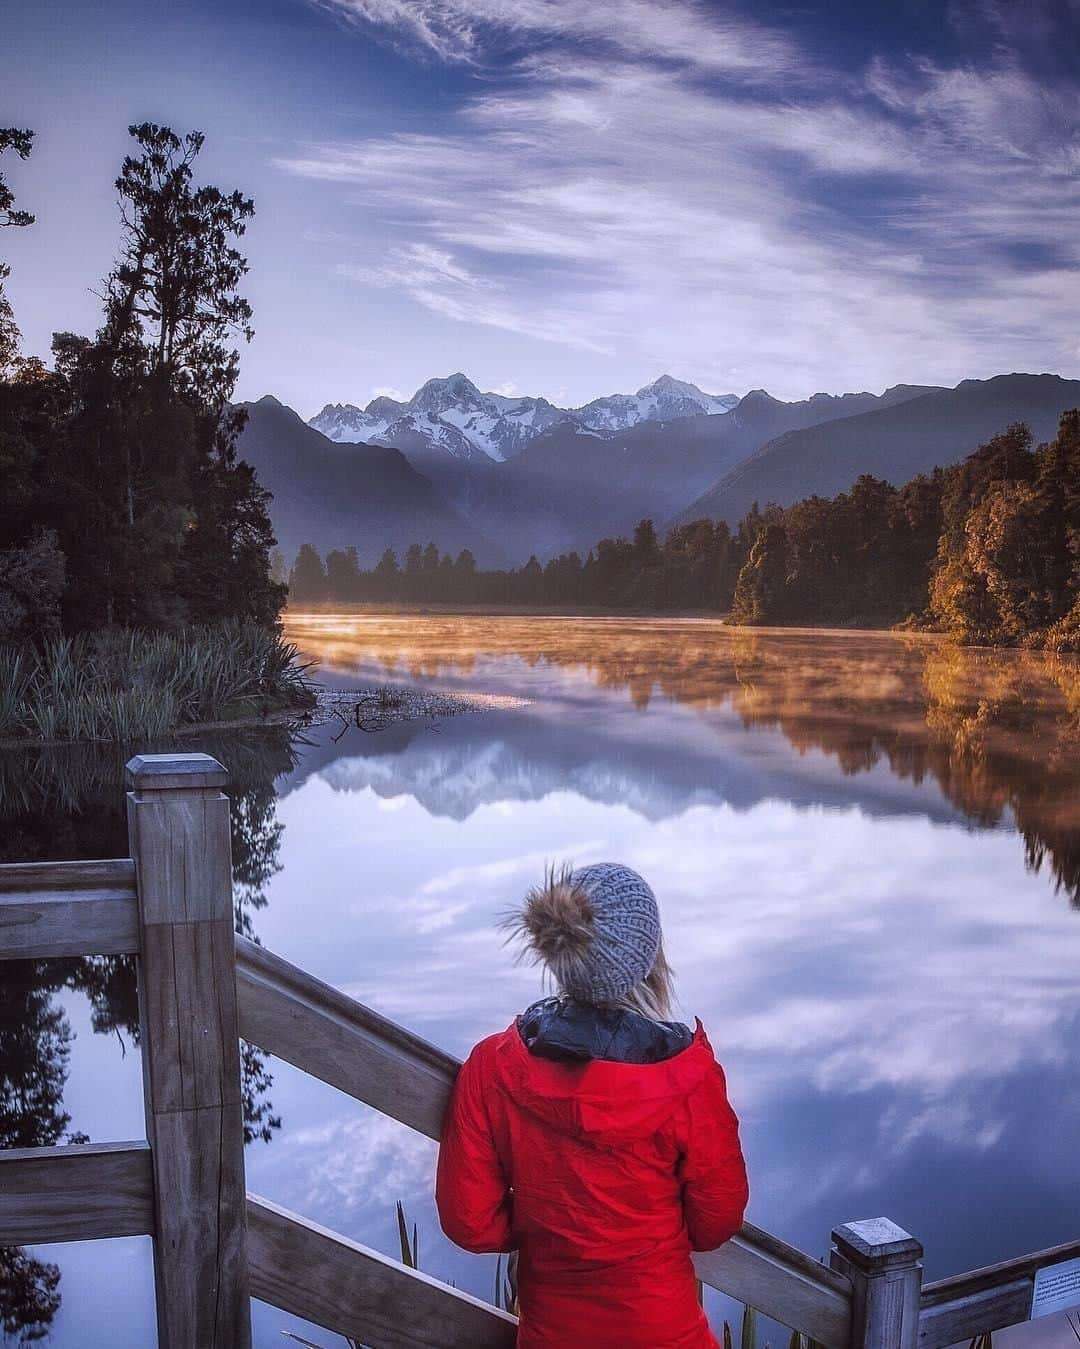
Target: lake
(866,849)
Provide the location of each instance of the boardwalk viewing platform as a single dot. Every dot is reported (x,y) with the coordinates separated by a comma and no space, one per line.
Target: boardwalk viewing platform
(202,988)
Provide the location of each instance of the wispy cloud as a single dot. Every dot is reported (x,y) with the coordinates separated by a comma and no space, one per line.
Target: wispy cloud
(662,180)
(416,267)
(680,30)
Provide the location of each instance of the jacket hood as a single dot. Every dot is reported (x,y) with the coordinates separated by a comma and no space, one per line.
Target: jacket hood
(600,1098)
(560,1028)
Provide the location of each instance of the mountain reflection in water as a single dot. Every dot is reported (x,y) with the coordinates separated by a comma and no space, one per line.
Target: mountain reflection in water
(867,851)
(998,731)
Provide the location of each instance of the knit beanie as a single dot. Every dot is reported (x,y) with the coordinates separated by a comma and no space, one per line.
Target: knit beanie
(597,929)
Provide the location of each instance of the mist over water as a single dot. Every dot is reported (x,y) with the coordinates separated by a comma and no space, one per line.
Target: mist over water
(867,854)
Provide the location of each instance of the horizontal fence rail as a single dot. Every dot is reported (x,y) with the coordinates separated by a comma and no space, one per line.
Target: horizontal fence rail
(54,909)
(990,1298)
(320,1030)
(783,1282)
(75,1193)
(313,1026)
(316,1274)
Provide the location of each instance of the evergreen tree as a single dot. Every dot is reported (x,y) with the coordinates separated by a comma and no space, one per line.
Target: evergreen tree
(387,576)
(307,582)
(343,576)
(759,593)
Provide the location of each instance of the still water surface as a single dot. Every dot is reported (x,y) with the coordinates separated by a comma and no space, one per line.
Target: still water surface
(867,852)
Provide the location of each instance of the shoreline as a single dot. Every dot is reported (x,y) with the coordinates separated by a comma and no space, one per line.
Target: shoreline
(583,613)
(369,708)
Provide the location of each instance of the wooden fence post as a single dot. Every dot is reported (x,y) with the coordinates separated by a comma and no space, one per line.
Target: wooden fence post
(178,830)
(884,1264)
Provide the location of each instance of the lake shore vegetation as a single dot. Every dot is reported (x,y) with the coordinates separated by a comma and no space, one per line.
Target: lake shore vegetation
(128,684)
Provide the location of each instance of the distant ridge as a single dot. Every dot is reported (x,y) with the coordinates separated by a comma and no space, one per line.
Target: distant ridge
(939,427)
(571,486)
(341,495)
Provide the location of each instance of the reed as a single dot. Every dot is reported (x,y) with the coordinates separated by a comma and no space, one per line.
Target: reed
(123,685)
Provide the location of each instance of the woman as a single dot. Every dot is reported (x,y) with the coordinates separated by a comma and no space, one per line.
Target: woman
(594,1135)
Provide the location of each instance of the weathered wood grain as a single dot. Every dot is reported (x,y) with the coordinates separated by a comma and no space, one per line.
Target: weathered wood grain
(163,772)
(179,876)
(180,842)
(884,1264)
(315,1027)
(187,1061)
(50,909)
(815,1300)
(200,1260)
(75,1193)
(964,1317)
(325,1278)
(964,1305)
(41,926)
(992,1276)
(115,874)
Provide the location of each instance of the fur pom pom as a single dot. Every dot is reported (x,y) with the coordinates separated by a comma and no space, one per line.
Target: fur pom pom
(556,922)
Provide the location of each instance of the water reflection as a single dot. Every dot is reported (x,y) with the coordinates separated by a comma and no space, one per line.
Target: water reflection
(865,848)
(997,731)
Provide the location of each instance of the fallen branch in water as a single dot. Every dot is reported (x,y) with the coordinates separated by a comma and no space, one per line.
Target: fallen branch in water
(376,709)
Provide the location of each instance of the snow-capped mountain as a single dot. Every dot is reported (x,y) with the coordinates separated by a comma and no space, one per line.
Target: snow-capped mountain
(660,401)
(452,417)
(447,415)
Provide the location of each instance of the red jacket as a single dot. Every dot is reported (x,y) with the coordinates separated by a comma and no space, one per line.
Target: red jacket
(604,1176)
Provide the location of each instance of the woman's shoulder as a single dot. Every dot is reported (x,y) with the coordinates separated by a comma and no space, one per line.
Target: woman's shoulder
(486,1050)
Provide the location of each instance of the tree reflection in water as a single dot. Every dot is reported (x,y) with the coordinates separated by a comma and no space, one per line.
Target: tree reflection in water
(68,803)
(998,730)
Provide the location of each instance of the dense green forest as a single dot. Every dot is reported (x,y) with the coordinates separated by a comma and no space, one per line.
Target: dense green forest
(125,503)
(988,550)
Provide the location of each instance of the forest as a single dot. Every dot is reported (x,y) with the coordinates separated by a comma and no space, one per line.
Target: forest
(125,504)
(988,550)
(135,586)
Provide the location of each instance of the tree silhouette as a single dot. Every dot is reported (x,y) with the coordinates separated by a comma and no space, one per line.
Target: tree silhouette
(11,138)
(132,458)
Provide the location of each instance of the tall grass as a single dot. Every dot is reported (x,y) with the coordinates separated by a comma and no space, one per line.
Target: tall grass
(128,684)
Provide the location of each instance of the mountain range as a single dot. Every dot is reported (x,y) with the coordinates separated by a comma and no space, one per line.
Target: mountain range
(569,487)
(508,477)
(893,442)
(451,417)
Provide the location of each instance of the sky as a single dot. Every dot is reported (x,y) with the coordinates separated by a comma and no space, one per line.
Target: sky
(569,198)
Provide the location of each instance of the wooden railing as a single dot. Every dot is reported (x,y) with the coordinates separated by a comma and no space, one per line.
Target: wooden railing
(200,989)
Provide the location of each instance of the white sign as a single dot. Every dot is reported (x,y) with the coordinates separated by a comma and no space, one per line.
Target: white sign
(1057,1288)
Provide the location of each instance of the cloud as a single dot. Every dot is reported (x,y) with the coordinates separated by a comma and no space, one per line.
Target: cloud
(433,278)
(664,182)
(416,267)
(470,31)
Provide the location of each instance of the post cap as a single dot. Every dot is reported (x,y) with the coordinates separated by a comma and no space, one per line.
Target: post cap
(876,1242)
(156,772)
